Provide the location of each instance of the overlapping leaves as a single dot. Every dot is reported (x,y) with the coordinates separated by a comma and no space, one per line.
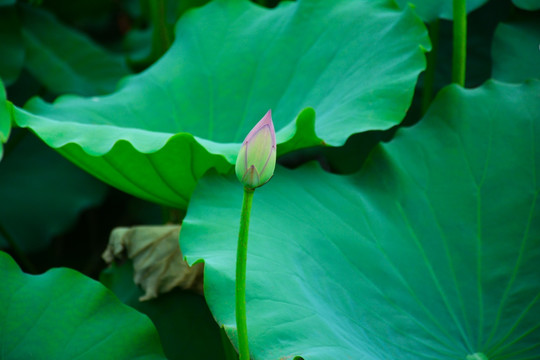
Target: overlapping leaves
(62,59)
(66,61)
(163,129)
(182,319)
(430,252)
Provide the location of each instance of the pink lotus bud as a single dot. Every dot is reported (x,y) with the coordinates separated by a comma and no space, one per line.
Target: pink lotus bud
(257,158)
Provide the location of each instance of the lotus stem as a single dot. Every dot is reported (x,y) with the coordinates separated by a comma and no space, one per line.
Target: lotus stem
(429,75)
(241,260)
(459,55)
(161,39)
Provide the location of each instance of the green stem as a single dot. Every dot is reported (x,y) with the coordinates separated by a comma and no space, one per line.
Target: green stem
(161,39)
(241,260)
(460,42)
(429,76)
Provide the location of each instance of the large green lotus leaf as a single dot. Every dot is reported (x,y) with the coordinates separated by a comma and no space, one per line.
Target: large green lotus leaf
(184,323)
(431,251)
(354,62)
(41,193)
(430,10)
(5,118)
(515,52)
(527,4)
(64,315)
(11,45)
(481,25)
(66,61)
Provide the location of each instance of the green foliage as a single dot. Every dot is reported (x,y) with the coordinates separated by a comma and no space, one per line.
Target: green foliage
(5,118)
(185,325)
(74,64)
(180,7)
(516,52)
(64,315)
(428,248)
(11,45)
(194,106)
(430,10)
(527,4)
(62,59)
(33,212)
(415,257)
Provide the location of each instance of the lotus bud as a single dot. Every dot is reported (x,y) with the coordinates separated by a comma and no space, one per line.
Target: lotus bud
(257,158)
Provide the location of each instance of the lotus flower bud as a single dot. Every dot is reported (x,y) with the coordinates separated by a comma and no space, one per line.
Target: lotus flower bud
(257,158)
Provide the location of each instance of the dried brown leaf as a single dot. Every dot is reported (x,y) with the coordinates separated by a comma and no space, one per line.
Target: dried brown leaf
(157,260)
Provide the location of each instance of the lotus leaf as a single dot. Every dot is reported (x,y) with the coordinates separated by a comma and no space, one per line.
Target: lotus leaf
(431,251)
(64,315)
(166,127)
(515,52)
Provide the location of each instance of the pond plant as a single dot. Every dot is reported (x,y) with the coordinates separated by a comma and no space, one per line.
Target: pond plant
(255,165)
(402,220)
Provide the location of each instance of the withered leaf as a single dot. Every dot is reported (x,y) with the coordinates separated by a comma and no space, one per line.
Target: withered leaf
(157,259)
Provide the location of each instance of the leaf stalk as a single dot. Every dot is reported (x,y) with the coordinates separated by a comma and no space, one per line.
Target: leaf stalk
(459,54)
(161,39)
(429,76)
